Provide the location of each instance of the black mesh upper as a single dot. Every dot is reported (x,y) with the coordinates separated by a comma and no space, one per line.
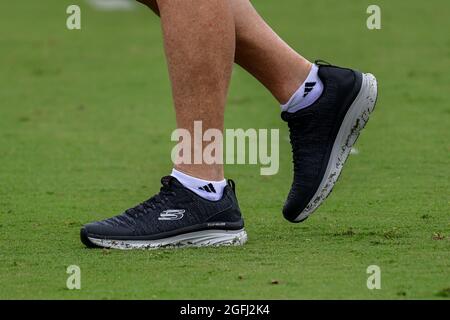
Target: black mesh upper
(312,134)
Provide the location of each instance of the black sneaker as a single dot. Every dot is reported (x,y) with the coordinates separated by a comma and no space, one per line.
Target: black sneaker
(175,217)
(323,134)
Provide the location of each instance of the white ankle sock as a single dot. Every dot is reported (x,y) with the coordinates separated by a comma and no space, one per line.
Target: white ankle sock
(210,190)
(307,94)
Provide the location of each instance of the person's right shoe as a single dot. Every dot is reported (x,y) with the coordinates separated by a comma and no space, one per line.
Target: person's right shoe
(323,134)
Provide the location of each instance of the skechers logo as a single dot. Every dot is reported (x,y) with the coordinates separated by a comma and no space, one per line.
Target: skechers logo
(208,188)
(309,86)
(171,215)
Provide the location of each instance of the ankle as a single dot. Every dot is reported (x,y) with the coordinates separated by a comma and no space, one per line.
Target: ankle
(307,93)
(296,78)
(204,172)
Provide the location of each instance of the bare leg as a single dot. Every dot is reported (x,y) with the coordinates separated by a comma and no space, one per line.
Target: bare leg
(199,39)
(265,55)
(261,52)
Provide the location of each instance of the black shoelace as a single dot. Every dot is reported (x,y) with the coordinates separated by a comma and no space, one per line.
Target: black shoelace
(295,134)
(154,202)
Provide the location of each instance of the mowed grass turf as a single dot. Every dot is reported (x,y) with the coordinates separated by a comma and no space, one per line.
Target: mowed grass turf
(85,124)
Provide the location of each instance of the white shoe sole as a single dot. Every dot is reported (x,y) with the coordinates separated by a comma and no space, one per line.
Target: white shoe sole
(206,238)
(354,121)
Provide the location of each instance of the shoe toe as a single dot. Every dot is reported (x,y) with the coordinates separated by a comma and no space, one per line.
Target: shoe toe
(84,237)
(291,212)
(295,205)
(104,229)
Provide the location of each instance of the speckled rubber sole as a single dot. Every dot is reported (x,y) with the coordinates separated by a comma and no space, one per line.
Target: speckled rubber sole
(205,238)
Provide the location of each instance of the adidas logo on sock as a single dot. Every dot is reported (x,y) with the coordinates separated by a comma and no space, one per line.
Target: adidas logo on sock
(208,188)
(309,86)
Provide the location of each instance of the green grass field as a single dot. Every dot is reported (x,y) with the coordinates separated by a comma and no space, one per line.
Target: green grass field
(85,124)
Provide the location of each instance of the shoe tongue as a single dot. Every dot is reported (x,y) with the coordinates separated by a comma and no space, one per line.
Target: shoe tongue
(169,180)
(165,181)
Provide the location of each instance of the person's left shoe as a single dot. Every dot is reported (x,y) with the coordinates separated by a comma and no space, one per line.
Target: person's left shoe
(175,217)
(323,134)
